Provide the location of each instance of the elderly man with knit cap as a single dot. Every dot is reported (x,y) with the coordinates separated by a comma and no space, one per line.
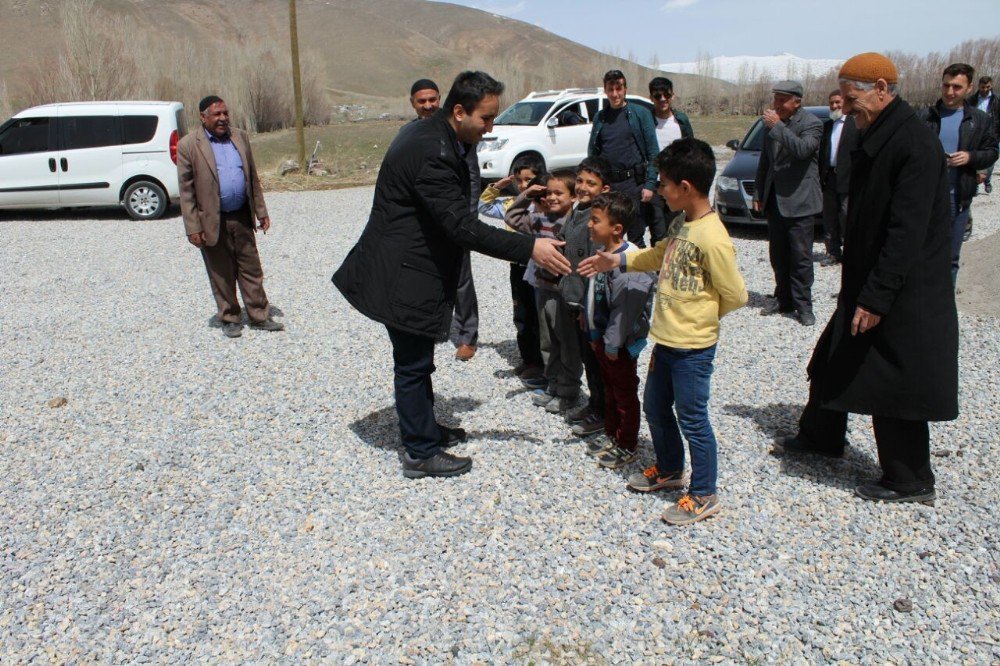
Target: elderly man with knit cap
(891,348)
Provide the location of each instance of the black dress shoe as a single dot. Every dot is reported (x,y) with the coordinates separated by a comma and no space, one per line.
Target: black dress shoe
(451,436)
(775,308)
(797,445)
(807,319)
(829,260)
(232,329)
(440,464)
(876,492)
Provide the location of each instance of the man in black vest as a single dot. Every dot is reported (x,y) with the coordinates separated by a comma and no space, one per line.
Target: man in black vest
(404,270)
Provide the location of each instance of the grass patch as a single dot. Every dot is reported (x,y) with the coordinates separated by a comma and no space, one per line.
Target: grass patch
(352,152)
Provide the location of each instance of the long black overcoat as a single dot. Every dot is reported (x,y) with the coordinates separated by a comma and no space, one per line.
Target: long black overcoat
(897,258)
(403,271)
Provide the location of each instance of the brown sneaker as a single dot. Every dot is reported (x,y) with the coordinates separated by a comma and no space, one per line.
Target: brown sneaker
(651,479)
(465,352)
(690,509)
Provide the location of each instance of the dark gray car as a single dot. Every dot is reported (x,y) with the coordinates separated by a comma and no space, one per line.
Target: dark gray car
(735,187)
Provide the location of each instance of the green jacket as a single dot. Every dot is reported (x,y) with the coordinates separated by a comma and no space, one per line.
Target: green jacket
(644,131)
(687,132)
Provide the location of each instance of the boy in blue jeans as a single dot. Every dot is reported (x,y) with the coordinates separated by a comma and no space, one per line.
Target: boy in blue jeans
(699,282)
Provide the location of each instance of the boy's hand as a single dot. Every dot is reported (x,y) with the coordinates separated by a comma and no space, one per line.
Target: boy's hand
(197,239)
(535,191)
(599,263)
(547,255)
(647,195)
(503,183)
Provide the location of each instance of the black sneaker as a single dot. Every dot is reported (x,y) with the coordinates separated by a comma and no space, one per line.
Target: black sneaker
(451,436)
(267,325)
(579,414)
(829,260)
(599,445)
(442,464)
(807,319)
(617,457)
(774,308)
(232,329)
(876,492)
(593,423)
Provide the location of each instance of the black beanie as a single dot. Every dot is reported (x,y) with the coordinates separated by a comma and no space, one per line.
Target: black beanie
(423,84)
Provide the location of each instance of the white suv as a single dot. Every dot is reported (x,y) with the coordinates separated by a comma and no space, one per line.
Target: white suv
(553,125)
(92,154)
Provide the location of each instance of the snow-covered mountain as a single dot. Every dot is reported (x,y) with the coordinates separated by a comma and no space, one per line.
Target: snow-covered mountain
(746,69)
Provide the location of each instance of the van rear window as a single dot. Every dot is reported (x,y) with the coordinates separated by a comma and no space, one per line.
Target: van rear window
(139,129)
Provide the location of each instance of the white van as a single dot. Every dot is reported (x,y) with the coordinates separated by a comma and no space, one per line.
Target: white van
(92,154)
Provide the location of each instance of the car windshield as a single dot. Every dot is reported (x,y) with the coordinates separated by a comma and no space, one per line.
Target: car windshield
(754,139)
(523,113)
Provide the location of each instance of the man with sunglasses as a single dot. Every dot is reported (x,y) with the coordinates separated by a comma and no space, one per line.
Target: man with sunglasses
(671,125)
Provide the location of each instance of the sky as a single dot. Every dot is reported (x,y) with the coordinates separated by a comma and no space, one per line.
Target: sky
(684,30)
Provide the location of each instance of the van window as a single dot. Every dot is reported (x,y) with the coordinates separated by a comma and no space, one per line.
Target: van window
(89,132)
(181,124)
(139,129)
(25,135)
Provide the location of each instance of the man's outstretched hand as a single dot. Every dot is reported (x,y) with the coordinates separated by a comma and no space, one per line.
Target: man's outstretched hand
(599,263)
(547,255)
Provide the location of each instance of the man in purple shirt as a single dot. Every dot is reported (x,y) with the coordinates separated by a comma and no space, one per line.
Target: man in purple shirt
(220,196)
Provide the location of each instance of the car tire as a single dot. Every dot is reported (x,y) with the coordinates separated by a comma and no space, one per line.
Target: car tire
(145,200)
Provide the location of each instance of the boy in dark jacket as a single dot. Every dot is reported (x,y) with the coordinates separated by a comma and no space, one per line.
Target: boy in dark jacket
(591,180)
(617,320)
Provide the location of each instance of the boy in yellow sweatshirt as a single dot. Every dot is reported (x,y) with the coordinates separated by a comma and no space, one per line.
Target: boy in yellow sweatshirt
(698,283)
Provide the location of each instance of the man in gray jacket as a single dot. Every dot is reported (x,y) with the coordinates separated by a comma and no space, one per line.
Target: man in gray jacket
(788,190)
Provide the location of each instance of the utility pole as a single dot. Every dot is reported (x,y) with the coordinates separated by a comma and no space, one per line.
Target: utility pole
(293,30)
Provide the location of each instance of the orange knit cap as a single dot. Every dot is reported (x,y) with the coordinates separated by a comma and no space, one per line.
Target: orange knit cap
(869,68)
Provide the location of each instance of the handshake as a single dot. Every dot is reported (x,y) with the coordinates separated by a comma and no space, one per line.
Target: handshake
(547,255)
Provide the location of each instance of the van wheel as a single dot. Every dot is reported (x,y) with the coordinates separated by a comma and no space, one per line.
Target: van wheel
(145,200)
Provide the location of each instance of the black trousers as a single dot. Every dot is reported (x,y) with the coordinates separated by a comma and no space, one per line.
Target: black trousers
(522,295)
(413,365)
(635,230)
(592,369)
(465,322)
(834,216)
(904,451)
(790,242)
(657,216)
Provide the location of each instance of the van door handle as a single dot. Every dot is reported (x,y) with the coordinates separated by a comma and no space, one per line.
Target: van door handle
(63,164)
(52,164)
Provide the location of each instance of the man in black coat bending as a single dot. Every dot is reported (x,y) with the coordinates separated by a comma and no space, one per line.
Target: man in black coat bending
(891,347)
(404,270)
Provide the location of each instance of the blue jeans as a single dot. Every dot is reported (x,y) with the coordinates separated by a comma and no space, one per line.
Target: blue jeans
(959,218)
(679,380)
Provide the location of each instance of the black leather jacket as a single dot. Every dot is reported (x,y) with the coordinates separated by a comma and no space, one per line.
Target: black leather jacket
(976,136)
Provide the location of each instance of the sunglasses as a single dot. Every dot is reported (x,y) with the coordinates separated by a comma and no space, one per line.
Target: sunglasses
(662,95)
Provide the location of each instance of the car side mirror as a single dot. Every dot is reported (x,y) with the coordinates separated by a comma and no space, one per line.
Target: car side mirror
(552,122)
(733,143)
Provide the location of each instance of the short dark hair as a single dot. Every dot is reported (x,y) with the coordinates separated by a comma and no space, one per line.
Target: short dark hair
(567,176)
(960,69)
(983,80)
(599,165)
(618,205)
(207,102)
(532,162)
(688,159)
(613,75)
(661,84)
(835,92)
(469,89)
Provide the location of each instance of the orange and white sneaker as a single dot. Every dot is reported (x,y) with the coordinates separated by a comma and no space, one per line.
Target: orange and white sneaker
(651,479)
(691,508)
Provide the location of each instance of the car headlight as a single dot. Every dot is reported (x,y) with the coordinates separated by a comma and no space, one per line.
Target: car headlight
(491,145)
(727,183)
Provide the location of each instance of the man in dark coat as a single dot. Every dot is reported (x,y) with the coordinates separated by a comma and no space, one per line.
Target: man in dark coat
(969,143)
(404,270)
(787,189)
(891,347)
(839,139)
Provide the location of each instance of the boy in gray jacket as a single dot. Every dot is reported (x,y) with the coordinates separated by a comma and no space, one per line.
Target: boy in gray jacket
(617,318)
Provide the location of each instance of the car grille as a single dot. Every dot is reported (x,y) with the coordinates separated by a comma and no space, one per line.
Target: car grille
(748,186)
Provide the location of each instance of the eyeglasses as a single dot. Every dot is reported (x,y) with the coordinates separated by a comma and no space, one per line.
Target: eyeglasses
(662,95)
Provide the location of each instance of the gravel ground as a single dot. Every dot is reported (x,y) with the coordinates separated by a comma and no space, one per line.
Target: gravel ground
(214,500)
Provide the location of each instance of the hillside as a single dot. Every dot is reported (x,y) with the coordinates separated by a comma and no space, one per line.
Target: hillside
(361,50)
